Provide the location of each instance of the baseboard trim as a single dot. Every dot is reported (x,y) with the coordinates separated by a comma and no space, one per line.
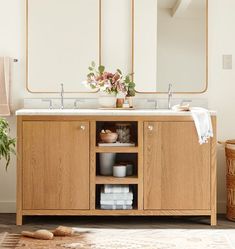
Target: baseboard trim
(7,207)
(10,207)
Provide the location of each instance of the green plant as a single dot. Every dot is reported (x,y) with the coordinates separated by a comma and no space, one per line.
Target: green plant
(7,144)
(130,85)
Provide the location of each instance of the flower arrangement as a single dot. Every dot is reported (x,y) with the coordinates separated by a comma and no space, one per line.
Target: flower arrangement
(111,83)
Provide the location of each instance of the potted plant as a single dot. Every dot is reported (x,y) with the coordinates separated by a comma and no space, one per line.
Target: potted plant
(7,144)
(109,84)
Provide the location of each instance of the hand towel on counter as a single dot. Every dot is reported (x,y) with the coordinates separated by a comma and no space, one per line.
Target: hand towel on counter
(116,207)
(116,202)
(4,86)
(116,188)
(114,196)
(202,120)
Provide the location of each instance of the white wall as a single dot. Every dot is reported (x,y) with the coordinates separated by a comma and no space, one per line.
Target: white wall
(220,93)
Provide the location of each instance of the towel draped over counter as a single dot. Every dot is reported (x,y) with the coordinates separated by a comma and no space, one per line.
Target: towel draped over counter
(202,120)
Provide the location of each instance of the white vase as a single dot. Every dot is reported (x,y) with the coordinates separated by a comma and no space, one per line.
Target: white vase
(107,100)
(107,160)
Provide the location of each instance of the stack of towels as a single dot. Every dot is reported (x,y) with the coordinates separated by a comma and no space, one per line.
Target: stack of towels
(116,197)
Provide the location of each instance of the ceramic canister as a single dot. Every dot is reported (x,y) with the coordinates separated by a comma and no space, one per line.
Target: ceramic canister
(119,170)
(107,160)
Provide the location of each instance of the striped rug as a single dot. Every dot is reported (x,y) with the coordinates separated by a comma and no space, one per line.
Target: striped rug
(9,240)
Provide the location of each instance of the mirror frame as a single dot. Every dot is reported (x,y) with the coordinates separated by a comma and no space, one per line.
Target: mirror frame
(133,54)
(27,66)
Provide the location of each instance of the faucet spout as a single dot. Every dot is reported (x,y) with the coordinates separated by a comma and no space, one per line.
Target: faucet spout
(170,94)
(62,96)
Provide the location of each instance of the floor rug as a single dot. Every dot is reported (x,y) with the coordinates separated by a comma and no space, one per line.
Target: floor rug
(9,240)
(134,239)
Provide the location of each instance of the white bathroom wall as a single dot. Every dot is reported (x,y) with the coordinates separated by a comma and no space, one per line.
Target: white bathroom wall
(220,92)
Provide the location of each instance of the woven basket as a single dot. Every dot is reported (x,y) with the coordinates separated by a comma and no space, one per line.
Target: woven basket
(230,159)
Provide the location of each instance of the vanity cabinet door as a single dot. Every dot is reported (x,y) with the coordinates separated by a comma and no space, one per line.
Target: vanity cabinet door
(55,165)
(176,167)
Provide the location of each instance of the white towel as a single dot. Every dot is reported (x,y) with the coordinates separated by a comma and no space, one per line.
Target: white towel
(115,207)
(109,197)
(4,86)
(116,202)
(116,188)
(202,120)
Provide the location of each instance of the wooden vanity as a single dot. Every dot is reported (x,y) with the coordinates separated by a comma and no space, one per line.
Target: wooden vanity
(57,166)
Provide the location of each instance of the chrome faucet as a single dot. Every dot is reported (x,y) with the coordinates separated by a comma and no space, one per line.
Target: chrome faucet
(62,96)
(170,93)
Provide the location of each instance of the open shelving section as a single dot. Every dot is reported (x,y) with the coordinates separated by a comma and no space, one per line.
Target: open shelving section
(133,154)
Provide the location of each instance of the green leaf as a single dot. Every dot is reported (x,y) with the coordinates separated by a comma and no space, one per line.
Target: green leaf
(101,69)
(127,79)
(131,84)
(90,75)
(92,86)
(93,64)
(119,71)
(90,68)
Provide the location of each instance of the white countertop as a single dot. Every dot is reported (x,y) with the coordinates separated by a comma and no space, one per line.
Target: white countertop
(100,112)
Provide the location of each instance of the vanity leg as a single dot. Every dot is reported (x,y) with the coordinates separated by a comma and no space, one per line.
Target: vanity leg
(19,219)
(213,219)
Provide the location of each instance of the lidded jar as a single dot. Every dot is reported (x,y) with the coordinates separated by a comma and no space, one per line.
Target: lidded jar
(124,132)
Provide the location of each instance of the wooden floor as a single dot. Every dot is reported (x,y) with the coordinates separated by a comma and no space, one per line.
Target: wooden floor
(7,222)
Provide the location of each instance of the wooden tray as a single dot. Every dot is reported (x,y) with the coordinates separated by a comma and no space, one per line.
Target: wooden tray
(116,108)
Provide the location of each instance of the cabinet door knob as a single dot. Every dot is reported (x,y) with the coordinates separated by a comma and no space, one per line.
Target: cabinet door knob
(150,127)
(82,127)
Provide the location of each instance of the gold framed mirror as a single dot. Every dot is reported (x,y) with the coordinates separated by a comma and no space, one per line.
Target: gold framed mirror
(57,39)
(170,46)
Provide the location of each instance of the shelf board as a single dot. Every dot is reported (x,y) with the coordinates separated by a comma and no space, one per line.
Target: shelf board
(117,149)
(114,212)
(116,180)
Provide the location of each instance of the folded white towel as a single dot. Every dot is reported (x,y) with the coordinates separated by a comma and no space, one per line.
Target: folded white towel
(202,120)
(109,197)
(116,202)
(114,207)
(116,188)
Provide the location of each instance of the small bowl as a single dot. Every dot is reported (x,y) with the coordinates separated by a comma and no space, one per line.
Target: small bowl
(109,137)
(119,170)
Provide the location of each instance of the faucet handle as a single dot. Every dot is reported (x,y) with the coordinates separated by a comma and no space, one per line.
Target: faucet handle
(50,102)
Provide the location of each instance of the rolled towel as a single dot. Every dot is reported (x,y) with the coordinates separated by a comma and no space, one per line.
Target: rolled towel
(39,234)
